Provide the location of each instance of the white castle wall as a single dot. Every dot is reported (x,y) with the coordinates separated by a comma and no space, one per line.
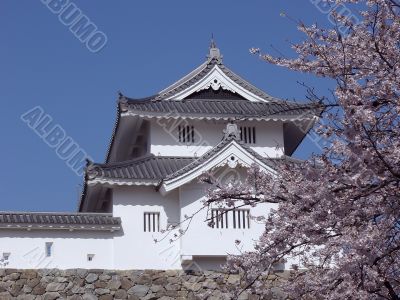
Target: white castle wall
(164,137)
(202,240)
(70,249)
(132,248)
(136,249)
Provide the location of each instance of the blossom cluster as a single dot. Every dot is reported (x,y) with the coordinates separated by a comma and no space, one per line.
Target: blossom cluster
(339,212)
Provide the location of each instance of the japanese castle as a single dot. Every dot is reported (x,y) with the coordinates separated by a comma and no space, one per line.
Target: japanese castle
(211,121)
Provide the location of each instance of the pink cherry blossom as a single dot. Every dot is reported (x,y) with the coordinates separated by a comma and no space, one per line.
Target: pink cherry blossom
(339,212)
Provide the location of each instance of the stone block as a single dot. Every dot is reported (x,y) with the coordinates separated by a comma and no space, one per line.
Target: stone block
(91,277)
(139,290)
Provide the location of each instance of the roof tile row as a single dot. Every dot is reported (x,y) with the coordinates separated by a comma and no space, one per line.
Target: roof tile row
(157,168)
(149,167)
(218,109)
(59,220)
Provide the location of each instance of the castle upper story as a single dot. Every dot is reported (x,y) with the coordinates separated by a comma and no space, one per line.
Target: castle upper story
(188,118)
(157,137)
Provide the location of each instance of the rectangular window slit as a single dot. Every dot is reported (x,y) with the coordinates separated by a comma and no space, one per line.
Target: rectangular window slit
(186,134)
(248,134)
(90,257)
(49,249)
(238,218)
(151,221)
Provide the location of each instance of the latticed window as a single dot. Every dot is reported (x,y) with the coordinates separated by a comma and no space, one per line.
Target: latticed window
(220,218)
(248,134)
(236,218)
(241,218)
(151,221)
(186,134)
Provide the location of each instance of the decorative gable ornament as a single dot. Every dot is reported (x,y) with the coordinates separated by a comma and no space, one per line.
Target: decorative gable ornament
(216,84)
(232,130)
(229,152)
(232,162)
(217,78)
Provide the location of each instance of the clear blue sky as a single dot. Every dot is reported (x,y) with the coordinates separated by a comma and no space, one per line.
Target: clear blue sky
(150,45)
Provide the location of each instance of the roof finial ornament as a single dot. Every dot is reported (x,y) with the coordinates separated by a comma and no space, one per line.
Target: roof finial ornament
(214,51)
(92,171)
(122,102)
(212,45)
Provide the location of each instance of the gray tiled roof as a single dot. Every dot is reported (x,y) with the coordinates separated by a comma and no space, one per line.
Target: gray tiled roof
(155,169)
(271,162)
(147,168)
(56,220)
(218,109)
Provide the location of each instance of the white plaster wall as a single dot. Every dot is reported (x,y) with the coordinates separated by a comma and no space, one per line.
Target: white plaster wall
(136,249)
(202,240)
(269,142)
(207,245)
(164,137)
(70,249)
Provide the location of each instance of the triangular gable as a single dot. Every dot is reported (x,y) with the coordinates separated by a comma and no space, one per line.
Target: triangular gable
(217,79)
(213,75)
(229,153)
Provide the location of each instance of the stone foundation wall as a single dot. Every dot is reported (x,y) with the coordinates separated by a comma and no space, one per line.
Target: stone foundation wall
(80,284)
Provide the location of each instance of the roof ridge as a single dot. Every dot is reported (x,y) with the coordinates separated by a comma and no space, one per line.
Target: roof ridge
(138,100)
(281,102)
(174,157)
(59,221)
(158,168)
(140,159)
(55,213)
(187,77)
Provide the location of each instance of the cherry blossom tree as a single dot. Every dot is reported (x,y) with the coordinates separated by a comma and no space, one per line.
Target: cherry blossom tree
(339,212)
